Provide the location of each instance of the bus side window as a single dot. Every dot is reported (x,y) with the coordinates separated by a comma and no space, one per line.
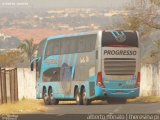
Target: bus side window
(73,46)
(65,45)
(86,43)
(55,75)
(69,45)
(53,48)
(81,45)
(65,72)
(38,68)
(52,74)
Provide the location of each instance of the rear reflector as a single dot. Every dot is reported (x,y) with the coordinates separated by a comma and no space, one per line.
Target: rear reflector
(100,80)
(138,80)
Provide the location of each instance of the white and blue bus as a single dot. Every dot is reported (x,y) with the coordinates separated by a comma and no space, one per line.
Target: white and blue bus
(101,65)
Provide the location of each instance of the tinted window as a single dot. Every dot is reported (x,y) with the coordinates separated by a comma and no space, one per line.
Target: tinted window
(41,47)
(39,54)
(58,74)
(86,43)
(68,45)
(52,74)
(78,44)
(119,38)
(65,72)
(53,48)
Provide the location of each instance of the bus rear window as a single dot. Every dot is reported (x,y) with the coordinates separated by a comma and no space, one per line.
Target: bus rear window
(116,38)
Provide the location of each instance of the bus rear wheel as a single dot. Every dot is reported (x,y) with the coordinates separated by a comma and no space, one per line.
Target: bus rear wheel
(45,97)
(86,101)
(52,100)
(78,97)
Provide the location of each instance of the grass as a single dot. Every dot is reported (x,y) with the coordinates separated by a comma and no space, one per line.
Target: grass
(147,99)
(23,106)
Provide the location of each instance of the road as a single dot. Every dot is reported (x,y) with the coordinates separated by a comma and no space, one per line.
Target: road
(97,111)
(99,108)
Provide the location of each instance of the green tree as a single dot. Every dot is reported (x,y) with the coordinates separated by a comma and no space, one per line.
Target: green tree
(28,48)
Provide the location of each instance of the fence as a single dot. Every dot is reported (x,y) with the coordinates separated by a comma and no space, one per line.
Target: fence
(8,85)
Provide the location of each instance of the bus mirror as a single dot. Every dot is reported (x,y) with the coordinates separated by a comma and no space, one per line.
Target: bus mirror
(32,66)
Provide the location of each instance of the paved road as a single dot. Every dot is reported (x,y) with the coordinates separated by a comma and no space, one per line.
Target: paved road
(97,111)
(100,108)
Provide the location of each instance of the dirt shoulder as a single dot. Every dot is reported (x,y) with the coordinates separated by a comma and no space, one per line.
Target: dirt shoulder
(147,99)
(37,106)
(23,106)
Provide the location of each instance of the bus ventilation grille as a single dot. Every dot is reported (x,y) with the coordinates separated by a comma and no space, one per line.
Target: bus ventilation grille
(119,66)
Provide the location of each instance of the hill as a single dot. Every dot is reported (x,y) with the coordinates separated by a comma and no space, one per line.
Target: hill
(36,34)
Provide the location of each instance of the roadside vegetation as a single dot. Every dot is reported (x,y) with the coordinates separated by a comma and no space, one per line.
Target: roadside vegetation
(23,106)
(147,99)
(29,48)
(20,57)
(10,58)
(144,18)
(26,106)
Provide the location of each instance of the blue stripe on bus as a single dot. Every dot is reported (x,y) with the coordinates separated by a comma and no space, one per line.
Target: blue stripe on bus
(122,33)
(63,58)
(69,58)
(114,34)
(117,33)
(55,37)
(74,63)
(69,35)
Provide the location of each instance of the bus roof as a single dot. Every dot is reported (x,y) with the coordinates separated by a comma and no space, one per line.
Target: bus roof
(84,33)
(71,35)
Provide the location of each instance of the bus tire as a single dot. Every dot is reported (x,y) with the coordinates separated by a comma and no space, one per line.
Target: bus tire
(52,100)
(84,98)
(78,97)
(45,97)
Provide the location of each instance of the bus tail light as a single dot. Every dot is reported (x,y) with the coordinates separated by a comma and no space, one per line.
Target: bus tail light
(100,80)
(138,80)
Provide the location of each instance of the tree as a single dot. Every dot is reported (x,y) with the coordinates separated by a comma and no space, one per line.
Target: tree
(29,48)
(156,52)
(156,2)
(143,16)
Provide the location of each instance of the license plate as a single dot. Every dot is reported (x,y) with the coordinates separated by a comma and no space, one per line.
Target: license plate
(119,92)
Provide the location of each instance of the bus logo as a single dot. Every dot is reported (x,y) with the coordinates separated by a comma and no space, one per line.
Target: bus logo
(119,36)
(51,61)
(84,59)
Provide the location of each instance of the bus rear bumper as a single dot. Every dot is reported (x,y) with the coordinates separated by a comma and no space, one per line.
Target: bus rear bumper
(128,93)
(117,93)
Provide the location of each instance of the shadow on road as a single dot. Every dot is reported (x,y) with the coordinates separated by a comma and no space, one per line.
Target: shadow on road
(98,102)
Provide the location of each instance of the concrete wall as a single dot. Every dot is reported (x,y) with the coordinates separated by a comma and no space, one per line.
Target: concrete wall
(150,81)
(26,83)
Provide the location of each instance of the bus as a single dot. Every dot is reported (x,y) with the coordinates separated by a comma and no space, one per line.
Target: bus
(97,65)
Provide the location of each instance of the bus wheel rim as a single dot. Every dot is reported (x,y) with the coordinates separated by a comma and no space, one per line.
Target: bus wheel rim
(77,98)
(84,96)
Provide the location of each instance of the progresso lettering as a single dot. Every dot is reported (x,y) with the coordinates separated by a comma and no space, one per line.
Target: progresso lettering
(119,52)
